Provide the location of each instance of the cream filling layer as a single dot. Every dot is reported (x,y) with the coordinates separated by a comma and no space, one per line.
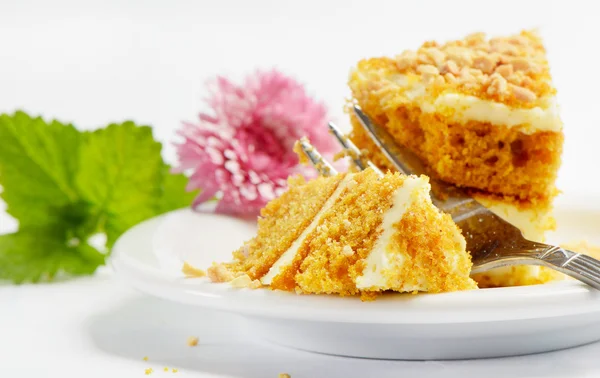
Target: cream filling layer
(383,257)
(415,189)
(461,108)
(533,223)
(288,256)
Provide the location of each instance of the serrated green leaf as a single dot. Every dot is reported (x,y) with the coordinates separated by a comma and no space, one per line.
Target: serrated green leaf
(64,186)
(38,161)
(120,176)
(174,196)
(34,255)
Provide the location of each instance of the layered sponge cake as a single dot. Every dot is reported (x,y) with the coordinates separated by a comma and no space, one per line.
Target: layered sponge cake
(481,114)
(363,235)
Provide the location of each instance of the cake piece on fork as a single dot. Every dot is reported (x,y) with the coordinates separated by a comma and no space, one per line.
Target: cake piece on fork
(366,233)
(481,114)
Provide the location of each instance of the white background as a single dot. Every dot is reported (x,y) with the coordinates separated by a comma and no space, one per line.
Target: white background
(91,63)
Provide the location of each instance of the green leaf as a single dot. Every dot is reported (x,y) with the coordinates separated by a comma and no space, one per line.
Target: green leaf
(38,161)
(174,195)
(33,255)
(63,186)
(120,176)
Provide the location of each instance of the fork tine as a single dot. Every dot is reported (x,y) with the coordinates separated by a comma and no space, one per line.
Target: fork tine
(316,159)
(359,160)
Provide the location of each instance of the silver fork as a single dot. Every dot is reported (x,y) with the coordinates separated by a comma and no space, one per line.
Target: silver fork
(492,242)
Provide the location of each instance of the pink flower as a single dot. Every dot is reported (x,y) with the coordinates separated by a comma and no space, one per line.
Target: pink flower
(243,151)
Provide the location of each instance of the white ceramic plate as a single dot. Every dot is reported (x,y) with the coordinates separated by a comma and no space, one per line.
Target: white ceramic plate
(471,324)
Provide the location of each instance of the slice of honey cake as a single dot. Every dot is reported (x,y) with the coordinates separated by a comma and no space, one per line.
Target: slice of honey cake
(481,113)
(372,234)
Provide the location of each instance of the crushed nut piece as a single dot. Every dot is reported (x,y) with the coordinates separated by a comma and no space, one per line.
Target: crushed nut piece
(241,281)
(244,281)
(485,63)
(460,55)
(428,70)
(436,56)
(522,64)
(347,251)
(506,70)
(450,78)
(191,271)
(220,273)
(449,67)
(406,60)
(523,94)
(498,85)
(192,341)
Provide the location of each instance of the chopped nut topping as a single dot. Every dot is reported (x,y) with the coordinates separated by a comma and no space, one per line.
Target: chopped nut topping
(469,64)
(449,67)
(523,94)
(406,59)
(485,63)
(498,85)
(504,48)
(439,81)
(506,70)
(436,56)
(428,69)
(522,64)
(450,78)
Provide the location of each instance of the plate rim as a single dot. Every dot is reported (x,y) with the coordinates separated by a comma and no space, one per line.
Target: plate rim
(562,298)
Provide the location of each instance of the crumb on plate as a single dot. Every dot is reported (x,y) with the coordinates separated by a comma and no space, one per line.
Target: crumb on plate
(244,281)
(192,341)
(191,271)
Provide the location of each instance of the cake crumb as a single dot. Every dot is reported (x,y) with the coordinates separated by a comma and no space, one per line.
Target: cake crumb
(165,369)
(145,358)
(220,273)
(192,341)
(244,281)
(148,371)
(284,375)
(174,370)
(347,251)
(191,271)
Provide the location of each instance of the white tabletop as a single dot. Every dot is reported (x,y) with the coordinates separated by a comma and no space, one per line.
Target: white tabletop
(110,60)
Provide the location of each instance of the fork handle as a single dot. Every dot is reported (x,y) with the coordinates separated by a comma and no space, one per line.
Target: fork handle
(581,267)
(576,265)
